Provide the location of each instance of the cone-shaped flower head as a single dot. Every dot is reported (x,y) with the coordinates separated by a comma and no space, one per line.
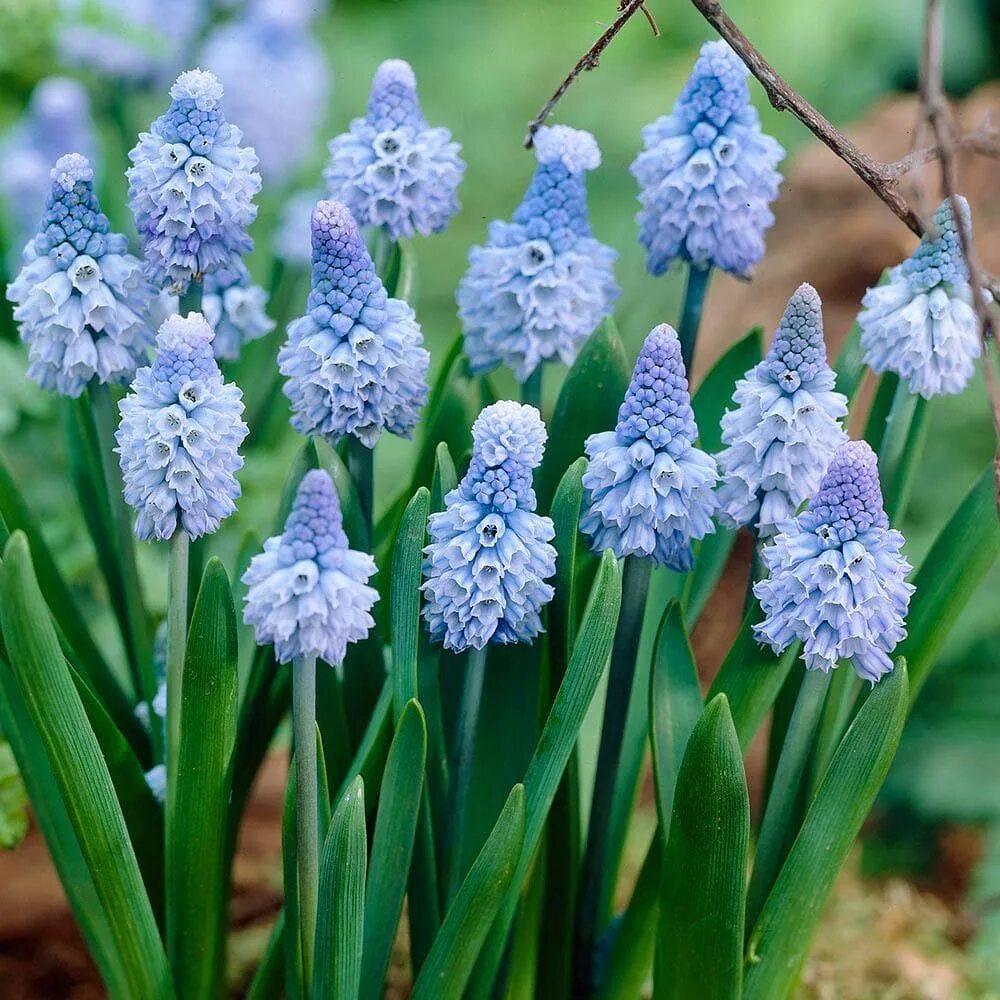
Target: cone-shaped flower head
(707,175)
(921,323)
(648,491)
(179,437)
(191,185)
(307,592)
(786,425)
(489,554)
(837,574)
(355,362)
(57,122)
(391,168)
(542,283)
(277,83)
(81,298)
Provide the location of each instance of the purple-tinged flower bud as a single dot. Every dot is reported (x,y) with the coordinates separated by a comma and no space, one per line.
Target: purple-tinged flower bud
(489,553)
(307,592)
(648,491)
(542,283)
(837,574)
(708,175)
(179,437)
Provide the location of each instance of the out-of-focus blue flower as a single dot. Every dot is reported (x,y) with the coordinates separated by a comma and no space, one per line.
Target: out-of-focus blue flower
(292,238)
(489,553)
(837,574)
(355,363)
(191,185)
(56,122)
(81,298)
(707,176)
(786,425)
(307,592)
(156,778)
(648,491)
(391,168)
(179,437)
(141,40)
(921,324)
(277,82)
(542,283)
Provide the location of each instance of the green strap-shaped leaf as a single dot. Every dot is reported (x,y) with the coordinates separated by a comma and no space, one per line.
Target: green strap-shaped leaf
(958,560)
(370,757)
(268,978)
(80,773)
(196,833)
(850,364)
(294,986)
(407,565)
(675,706)
(392,845)
(780,941)
(445,476)
(340,927)
(566,505)
(588,402)
(470,917)
(700,935)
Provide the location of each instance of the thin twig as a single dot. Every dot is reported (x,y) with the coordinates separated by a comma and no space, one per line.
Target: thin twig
(589,60)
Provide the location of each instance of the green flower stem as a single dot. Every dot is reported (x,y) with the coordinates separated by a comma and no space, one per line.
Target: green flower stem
(381,244)
(840,701)
(177,625)
(531,389)
(775,835)
(694,300)
(360,462)
(900,448)
(465,745)
(635,588)
(306,805)
(138,639)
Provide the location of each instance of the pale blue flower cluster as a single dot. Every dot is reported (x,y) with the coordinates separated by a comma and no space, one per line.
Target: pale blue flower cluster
(56,122)
(489,553)
(307,592)
(837,574)
(191,185)
(707,175)
(277,82)
(355,363)
(921,323)
(391,168)
(786,425)
(81,298)
(648,491)
(140,40)
(542,283)
(179,437)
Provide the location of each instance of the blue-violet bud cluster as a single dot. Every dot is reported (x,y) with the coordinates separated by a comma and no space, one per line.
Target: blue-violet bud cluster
(837,574)
(355,363)
(786,425)
(921,323)
(648,491)
(391,168)
(542,283)
(307,592)
(191,185)
(707,175)
(81,298)
(489,553)
(179,437)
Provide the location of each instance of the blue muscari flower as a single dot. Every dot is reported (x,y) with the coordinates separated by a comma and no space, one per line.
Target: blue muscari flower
(81,298)
(707,174)
(921,323)
(179,437)
(191,185)
(786,425)
(391,168)
(307,592)
(489,553)
(542,283)
(57,121)
(648,491)
(277,82)
(355,363)
(837,576)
